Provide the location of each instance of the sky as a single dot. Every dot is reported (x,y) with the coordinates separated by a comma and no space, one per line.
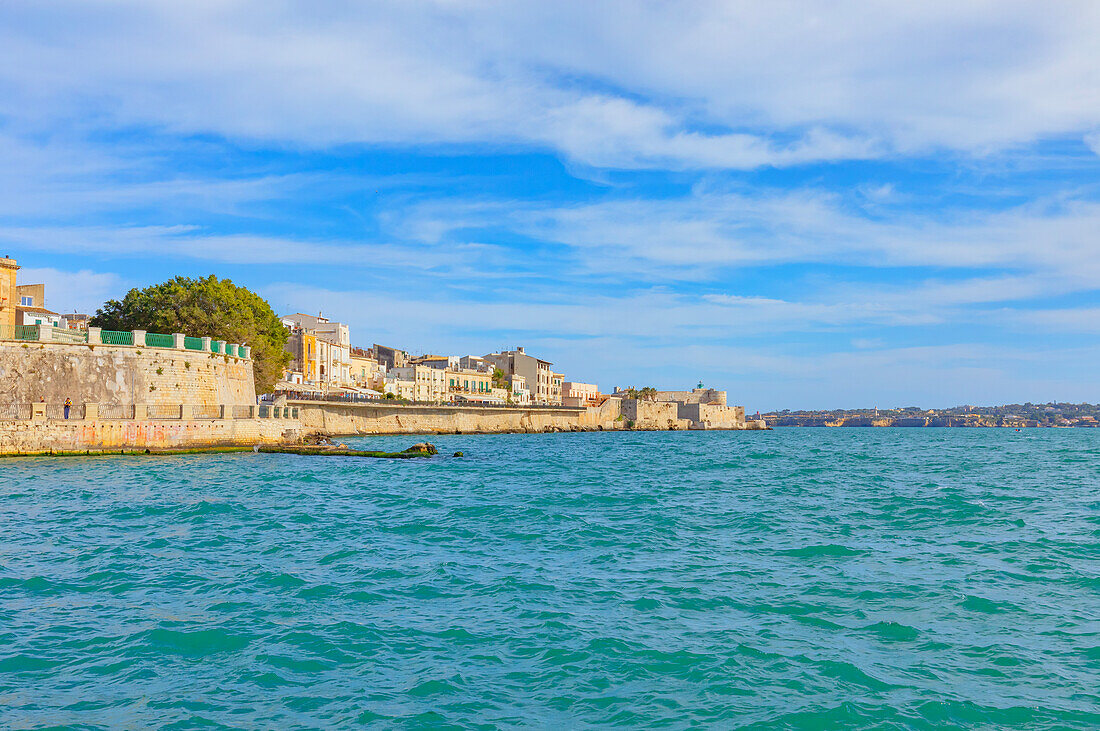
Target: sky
(810,205)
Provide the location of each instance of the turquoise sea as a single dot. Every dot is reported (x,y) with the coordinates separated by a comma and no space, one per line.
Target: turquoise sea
(800,578)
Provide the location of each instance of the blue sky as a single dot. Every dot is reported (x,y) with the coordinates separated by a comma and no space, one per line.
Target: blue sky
(854,205)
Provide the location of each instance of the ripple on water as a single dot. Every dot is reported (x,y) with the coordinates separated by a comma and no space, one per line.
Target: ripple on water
(788,579)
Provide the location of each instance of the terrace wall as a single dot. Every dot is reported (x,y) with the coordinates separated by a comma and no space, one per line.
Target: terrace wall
(121,374)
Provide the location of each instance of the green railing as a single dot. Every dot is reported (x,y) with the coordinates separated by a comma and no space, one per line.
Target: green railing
(230,348)
(26,332)
(192,343)
(114,337)
(156,340)
(215,347)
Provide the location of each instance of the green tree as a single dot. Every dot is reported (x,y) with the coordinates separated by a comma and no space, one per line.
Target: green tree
(498,378)
(205,307)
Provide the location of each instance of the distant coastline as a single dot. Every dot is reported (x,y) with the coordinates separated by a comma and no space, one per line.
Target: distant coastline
(1052,415)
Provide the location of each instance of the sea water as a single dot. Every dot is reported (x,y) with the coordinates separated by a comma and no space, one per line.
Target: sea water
(799,578)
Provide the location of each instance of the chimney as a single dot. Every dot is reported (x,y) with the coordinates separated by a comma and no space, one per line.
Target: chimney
(519,348)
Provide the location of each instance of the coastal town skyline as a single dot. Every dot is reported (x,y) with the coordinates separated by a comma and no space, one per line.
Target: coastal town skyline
(871,216)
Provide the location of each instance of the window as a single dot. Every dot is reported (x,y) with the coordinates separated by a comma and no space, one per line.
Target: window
(26,301)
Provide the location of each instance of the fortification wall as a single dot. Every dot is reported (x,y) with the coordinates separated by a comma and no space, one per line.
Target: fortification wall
(38,436)
(120,374)
(348,419)
(380,418)
(653,414)
(713,416)
(694,396)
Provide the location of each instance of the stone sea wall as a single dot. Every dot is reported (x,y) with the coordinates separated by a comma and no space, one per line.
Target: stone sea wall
(36,436)
(121,374)
(378,418)
(348,419)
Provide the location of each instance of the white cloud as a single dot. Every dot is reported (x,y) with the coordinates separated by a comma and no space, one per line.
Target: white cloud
(704,234)
(618,84)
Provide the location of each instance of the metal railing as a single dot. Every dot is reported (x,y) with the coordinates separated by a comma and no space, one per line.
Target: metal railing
(243,412)
(116,337)
(15,411)
(206,412)
(26,332)
(95,336)
(156,340)
(57,411)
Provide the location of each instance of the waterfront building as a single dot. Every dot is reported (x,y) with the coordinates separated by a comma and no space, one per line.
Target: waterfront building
(75,321)
(439,362)
(305,358)
(474,363)
(390,357)
(580,394)
(517,386)
(535,371)
(466,385)
(38,316)
(557,381)
(333,348)
(429,384)
(366,372)
(399,387)
(30,307)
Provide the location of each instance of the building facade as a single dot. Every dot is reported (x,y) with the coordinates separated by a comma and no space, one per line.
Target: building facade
(464,385)
(580,394)
(429,384)
(535,371)
(8,297)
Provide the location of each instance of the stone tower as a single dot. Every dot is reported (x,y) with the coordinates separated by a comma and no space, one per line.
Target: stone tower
(9,299)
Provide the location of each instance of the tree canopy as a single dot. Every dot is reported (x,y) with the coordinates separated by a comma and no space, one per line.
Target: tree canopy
(205,307)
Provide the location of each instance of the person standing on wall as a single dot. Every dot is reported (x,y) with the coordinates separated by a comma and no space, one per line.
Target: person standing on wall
(68,405)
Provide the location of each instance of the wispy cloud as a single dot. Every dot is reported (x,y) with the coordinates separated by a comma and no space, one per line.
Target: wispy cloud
(717,85)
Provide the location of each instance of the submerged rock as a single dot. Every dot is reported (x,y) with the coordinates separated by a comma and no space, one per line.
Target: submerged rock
(459,454)
(423,448)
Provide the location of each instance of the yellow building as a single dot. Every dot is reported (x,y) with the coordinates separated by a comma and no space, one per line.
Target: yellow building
(8,297)
(366,372)
(302,345)
(464,385)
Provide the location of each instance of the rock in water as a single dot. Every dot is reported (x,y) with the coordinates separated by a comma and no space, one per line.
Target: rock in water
(459,454)
(423,448)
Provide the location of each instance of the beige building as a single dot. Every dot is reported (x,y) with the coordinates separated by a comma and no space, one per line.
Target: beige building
(366,372)
(390,357)
(30,308)
(580,394)
(557,382)
(440,362)
(331,358)
(429,384)
(8,297)
(399,387)
(463,385)
(535,371)
(517,386)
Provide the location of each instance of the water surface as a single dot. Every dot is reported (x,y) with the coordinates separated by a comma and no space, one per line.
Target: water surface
(800,578)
